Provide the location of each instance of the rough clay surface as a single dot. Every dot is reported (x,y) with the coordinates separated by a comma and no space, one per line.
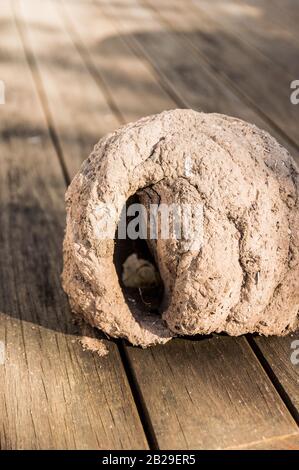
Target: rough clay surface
(89,341)
(245,277)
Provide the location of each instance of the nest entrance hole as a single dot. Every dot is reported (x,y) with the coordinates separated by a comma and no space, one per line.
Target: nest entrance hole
(135,264)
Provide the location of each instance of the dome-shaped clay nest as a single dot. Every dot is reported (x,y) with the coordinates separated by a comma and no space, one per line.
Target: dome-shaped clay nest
(244,275)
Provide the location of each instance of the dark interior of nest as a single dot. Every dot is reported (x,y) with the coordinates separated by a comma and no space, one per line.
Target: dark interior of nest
(137,270)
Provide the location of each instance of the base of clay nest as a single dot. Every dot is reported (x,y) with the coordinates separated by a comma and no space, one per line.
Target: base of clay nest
(243,278)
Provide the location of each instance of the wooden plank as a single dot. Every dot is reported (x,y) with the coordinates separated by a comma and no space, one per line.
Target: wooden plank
(261,26)
(283,14)
(52,394)
(186,78)
(78,95)
(186,74)
(255,77)
(234,402)
(284,443)
(212,392)
(128,78)
(282,358)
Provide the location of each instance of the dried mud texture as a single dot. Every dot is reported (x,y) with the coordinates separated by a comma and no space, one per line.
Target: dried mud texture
(244,278)
(94,345)
(89,340)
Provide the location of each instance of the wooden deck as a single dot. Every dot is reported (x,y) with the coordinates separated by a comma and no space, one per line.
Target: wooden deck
(74,70)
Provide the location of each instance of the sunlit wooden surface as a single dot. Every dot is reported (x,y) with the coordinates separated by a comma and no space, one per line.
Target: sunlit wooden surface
(74,70)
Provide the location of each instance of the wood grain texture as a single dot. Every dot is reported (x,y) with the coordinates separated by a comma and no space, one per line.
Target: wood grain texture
(52,394)
(281,443)
(259,25)
(187,75)
(262,83)
(189,80)
(76,106)
(282,358)
(175,419)
(283,15)
(208,394)
(128,78)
